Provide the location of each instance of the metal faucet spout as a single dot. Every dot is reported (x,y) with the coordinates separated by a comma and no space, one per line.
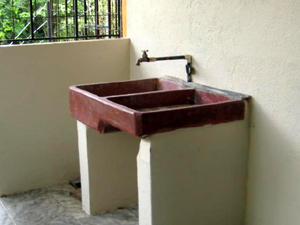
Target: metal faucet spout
(138,62)
(144,58)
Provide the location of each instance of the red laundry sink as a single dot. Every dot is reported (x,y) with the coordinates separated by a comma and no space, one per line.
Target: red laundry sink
(148,106)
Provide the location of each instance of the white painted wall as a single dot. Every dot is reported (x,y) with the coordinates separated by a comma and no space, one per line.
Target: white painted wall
(38,140)
(251,47)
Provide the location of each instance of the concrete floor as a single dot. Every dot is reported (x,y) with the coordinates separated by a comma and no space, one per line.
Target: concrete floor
(55,206)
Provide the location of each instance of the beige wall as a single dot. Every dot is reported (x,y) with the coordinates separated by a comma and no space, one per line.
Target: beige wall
(38,141)
(245,46)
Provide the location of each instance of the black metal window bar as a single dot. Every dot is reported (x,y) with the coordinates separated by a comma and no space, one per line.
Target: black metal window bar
(38,21)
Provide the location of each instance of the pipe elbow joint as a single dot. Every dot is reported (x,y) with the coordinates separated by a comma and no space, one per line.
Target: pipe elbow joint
(188,58)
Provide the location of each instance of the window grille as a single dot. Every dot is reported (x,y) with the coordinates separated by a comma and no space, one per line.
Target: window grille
(38,21)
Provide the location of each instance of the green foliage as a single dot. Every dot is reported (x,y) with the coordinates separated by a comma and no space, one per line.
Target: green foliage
(14,15)
(15,18)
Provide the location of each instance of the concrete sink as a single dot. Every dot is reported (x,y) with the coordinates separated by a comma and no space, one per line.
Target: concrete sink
(148,106)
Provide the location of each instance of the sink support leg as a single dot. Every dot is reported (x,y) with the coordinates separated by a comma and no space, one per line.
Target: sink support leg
(144,182)
(107,168)
(194,176)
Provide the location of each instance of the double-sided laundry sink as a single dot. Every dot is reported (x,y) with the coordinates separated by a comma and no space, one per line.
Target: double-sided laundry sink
(148,106)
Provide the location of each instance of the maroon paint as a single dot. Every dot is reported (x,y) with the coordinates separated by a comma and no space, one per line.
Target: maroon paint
(149,106)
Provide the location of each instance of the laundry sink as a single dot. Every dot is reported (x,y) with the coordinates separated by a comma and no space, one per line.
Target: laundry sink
(148,106)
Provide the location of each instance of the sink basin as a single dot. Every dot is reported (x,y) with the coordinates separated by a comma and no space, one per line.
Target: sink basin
(148,106)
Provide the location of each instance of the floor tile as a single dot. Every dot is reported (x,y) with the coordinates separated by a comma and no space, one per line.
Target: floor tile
(76,212)
(118,217)
(55,206)
(62,194)
(17,205)
(134,208)
(4,218)
(72,205)
(61,189)
(37,207)
(57,215)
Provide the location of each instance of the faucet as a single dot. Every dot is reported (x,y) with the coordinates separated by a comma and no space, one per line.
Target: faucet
(188,66)
(144,58)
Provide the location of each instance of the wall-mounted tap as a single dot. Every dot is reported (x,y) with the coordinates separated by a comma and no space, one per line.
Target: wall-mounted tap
(144,58)
(188,66)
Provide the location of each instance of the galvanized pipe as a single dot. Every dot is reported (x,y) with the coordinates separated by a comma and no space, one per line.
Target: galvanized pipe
(188,66)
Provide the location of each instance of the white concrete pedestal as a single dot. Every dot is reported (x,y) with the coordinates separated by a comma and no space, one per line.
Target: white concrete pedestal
(108,169)
(194,176)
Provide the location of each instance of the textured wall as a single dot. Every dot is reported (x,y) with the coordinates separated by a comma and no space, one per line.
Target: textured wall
(38,140)
(251,47)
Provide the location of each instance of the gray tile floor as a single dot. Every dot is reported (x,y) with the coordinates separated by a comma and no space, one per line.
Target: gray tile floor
(54,206)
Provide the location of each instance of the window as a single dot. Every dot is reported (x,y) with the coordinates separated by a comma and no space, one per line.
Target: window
(38,21)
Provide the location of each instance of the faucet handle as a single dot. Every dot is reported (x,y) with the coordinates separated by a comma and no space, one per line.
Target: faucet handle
(145,53)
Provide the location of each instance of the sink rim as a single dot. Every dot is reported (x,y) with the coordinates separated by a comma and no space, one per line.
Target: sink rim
(118,115)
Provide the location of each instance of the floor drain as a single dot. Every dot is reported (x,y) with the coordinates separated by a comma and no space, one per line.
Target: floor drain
(77,192)
(75,183)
